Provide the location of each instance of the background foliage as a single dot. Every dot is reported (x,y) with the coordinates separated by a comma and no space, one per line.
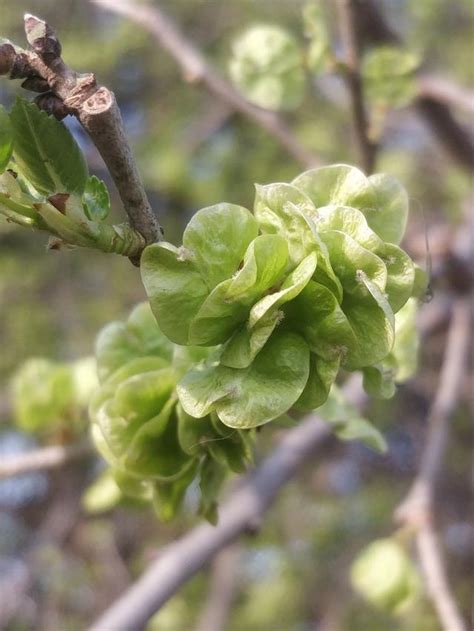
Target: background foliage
(64,563)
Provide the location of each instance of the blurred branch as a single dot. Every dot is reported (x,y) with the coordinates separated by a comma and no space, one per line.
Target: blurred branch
(196,69)
(62,92)
(432,104)
(348,26)
(416,511)
(222,590)
(446,92)
(182,559)
(45,458)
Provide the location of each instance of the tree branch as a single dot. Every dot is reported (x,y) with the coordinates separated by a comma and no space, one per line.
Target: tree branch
(348,25)
(196,69)
(416,511)
(182,559)
(458,141)
(45,458)
(62,92)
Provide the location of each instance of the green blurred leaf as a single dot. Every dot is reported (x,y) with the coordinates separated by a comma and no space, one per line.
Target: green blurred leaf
(102,495)
(267,67)
(211,478)
(407,342)
(95,199)
(139,337)
(384,575)
(388,73)
(45,151)
(6,139)
(43,396)
(379,381)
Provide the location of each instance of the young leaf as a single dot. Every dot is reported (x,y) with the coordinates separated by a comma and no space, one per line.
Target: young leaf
(139,337)
(400,276)
(379,381)
(388,215)
(317,315)
(352,222)
(252,396)
(338,184)
(175,288)
(322,375)
(372,321)
(6,139)
(216,240)
(242,348)
(348,258)
(95,199)
(45,151)
(291,287)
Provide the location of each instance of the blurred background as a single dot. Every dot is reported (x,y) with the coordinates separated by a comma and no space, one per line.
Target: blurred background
(63,559)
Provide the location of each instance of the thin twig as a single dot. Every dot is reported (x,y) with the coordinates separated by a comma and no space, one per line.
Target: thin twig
(416,511)
(44,458)
(348,26)
(196,69)
(62,92)
(188,555)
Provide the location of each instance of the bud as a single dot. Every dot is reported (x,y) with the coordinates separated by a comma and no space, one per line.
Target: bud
(52,105)
(7,57)
(41,37)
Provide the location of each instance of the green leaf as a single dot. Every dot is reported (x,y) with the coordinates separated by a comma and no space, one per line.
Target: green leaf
(264,264)
(283,209)
(139,337)
(385,576)
(322,375)
(155,452)
(363,430)
(45,151)
(217,317)
(315,28)
(102,495)
(43,396)
(168,496)
(421,283)
(267,67)
(175,289)
(388,215)
(407,341)
(316,314)
(242,348)
(216,240)
(252,396)
(352,222)
(95,199)
(348,258)
(228,304)
(338,184)
(400,278)
(211,478)
(6,139)
(372,321)
(291,287)
(348,424)
(379,381)
(388,73)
